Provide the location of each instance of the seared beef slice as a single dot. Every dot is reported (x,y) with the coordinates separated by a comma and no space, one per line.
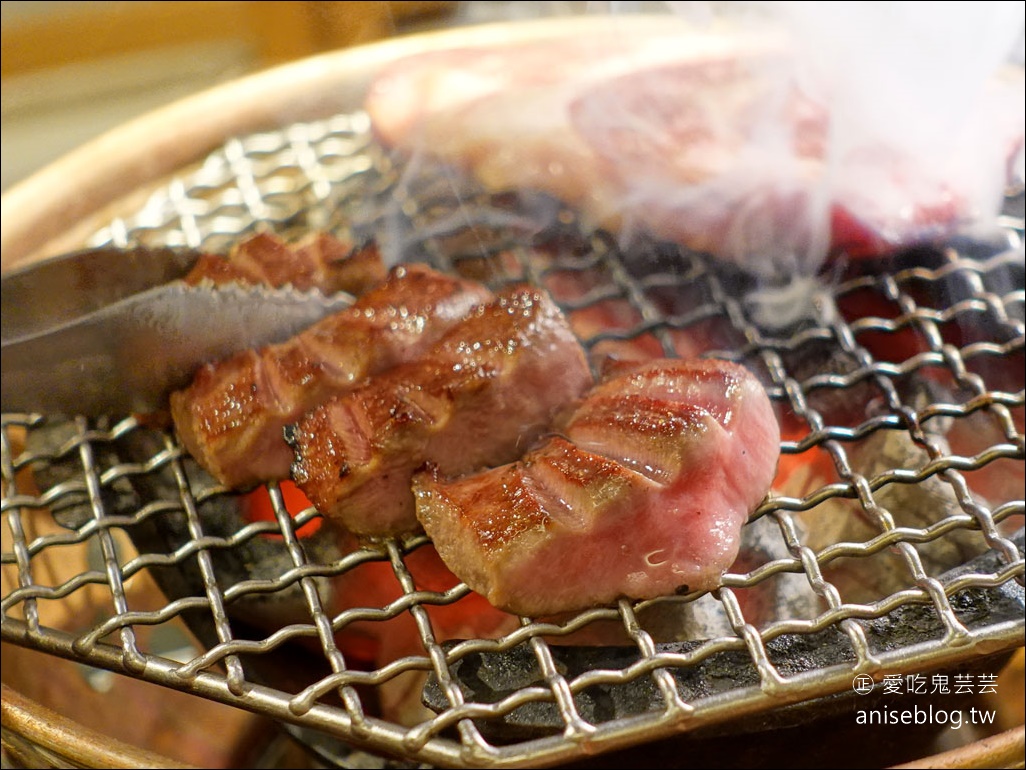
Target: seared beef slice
(231,417)
(480,397)
(644,493)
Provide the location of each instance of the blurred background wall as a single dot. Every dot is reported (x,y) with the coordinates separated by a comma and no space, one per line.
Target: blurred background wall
(71,70)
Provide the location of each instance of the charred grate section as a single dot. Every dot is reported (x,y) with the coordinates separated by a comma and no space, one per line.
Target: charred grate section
(891,543)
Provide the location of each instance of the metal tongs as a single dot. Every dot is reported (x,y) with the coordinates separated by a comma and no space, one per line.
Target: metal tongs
(112,331)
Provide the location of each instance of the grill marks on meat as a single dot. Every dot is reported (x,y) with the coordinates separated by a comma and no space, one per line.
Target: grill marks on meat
(645,491)
(232,416)
(480,397)
(319,261)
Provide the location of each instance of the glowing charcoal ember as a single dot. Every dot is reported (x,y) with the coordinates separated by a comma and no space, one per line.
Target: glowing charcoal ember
(479,397)
(232,416)
(258,506)
(377,643)
(637,501)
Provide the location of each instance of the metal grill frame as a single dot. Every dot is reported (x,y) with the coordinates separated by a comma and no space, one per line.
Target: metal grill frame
(308,176)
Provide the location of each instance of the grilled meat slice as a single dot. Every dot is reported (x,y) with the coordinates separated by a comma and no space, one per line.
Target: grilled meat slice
(718,140)
(645,492)
(231,417)
(319,261)
(479,397)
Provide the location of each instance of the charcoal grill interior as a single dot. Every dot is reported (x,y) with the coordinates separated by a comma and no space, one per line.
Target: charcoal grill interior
(891,543)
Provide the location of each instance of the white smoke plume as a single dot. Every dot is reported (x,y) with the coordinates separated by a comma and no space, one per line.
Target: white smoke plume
(774,135)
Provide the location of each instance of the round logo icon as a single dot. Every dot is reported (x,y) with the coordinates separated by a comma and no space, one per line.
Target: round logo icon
(862,684)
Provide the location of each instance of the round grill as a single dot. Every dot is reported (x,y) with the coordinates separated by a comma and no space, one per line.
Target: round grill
(891,543)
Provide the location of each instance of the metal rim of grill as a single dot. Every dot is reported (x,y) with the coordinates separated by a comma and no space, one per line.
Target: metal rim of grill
(314,176)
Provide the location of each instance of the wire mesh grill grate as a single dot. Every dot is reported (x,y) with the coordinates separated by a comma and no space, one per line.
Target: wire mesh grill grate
(901,397)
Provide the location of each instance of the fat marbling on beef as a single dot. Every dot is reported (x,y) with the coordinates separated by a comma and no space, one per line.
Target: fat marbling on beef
(231,417)
(479,397)
(644,492)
